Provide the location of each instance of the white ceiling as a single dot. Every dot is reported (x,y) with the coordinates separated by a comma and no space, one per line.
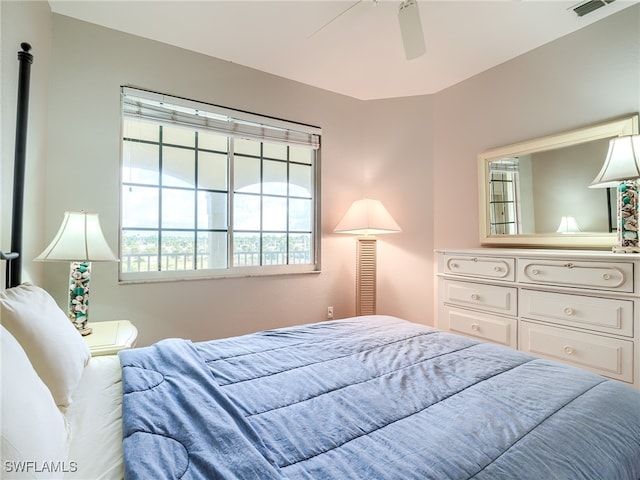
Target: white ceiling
(360,54)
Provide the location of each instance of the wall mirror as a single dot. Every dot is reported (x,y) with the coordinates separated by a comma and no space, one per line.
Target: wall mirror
(535,193)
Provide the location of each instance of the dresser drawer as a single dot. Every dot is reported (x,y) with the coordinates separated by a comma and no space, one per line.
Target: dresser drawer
(490,298)
(482,326)
(603,355)
(606,276)
(592,313)
(482,267)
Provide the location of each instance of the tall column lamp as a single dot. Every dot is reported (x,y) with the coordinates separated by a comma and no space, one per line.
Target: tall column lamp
(621,169)
(366,218)
(79,241)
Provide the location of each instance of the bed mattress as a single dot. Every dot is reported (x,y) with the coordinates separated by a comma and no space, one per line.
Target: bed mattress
(370,398)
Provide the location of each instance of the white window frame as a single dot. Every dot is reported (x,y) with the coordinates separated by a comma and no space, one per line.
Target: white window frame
(171,111)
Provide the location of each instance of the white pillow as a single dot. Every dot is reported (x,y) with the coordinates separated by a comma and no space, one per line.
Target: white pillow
(34,434)
(53,344)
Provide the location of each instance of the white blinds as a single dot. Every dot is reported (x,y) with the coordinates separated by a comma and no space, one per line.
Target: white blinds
(505,165)
(166,109)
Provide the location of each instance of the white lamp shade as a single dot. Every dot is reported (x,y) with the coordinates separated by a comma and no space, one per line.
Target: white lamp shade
(367,217)
(568,225)
(622,162)
(79,239)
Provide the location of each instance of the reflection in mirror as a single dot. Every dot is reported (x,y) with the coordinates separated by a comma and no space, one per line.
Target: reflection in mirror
(536,193)
(526,191)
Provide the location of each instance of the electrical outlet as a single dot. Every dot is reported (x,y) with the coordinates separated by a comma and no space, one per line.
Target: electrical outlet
(329,313)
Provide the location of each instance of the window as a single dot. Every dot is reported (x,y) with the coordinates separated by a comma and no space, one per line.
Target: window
(208,191)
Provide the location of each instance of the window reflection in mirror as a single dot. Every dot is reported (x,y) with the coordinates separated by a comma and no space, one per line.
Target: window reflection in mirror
(505,194)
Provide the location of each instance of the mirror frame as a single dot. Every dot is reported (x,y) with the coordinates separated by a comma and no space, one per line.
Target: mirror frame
(621,126)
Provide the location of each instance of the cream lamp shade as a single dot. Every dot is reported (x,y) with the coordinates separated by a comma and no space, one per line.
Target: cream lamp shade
(80,239)
(367,217)
(568,224)
(621,163)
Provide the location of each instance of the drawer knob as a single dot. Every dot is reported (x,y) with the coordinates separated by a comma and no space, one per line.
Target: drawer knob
(568,311)
(535,271)
(454,265)
(568,350)
(475,327)
(606,276)
(475,297)
(497,269)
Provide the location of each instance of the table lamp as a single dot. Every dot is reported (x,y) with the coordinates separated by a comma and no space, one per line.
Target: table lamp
(366,218)
(568,224)
(80,241)
(621,169)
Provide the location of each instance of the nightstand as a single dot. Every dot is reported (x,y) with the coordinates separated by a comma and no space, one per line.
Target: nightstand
(108,338)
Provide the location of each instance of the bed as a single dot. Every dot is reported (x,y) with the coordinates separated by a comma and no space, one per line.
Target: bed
(371,397)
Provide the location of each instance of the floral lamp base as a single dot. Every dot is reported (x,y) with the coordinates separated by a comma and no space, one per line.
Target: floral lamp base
(78,308)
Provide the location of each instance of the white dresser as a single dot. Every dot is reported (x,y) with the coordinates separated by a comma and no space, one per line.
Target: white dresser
(576,307)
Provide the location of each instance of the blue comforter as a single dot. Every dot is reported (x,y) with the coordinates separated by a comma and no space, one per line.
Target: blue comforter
(370,398)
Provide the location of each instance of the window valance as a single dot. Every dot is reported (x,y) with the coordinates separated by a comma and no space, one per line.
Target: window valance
(164,109)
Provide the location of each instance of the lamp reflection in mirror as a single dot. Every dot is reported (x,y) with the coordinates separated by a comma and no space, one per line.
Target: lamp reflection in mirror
(366,218)
(621,169)
(79,241)
(568,224)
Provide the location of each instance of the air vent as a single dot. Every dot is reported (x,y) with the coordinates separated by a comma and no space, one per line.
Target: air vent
(588,7)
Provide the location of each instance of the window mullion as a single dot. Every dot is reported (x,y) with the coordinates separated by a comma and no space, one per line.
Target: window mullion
(230,201)
(261,232)
(196,265)
(288,233)
(316,221)
(160,187)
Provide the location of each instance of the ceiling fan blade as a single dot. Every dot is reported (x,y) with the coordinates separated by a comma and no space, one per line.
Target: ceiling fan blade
(411,29)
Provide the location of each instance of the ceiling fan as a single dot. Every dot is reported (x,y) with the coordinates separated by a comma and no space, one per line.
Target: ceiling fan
(410,25)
